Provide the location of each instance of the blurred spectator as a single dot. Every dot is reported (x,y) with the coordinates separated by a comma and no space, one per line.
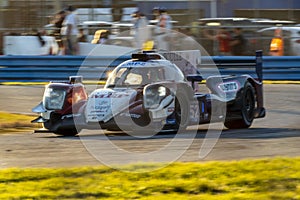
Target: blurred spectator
(57,21)
(165,20)
(277,44)
(238,43)
(81,36)
(156,13)
(224,38)
(69,32)
(163,30)
(142,34)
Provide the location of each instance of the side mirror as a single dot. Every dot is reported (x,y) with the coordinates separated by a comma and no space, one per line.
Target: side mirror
(194,78)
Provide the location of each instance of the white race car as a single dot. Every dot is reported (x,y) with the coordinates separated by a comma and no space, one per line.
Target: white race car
(149,92)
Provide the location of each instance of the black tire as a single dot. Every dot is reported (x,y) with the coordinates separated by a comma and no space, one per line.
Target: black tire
(247,110)
(67,132)
(116,128)
(182,110)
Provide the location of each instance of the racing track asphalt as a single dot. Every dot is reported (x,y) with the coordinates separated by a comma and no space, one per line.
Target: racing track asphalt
(278,134)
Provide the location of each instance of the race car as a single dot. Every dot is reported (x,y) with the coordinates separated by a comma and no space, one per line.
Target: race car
(150,93)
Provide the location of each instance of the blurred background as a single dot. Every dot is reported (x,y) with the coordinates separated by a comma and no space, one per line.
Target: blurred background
(257,18)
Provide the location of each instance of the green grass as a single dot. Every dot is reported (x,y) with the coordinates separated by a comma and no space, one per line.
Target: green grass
(14,122)
(264,179)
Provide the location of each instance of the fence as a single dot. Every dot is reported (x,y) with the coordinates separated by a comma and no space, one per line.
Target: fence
(46,68)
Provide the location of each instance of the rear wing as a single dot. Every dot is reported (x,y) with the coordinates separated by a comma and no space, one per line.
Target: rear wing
(234,65)
(259,65)
(191,63)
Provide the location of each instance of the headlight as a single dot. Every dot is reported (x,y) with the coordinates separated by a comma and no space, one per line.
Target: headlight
(54,98)
(161,91)
(153,95)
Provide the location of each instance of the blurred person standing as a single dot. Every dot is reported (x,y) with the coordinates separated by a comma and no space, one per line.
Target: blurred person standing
(59,17)
(156,13)
(165,20)
(69,32)
(81,36)
(238,43)
(277,44)
(224,38)
(141,30)
(163,32)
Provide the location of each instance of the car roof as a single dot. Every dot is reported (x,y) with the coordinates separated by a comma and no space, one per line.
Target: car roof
(241,21)
(289,28)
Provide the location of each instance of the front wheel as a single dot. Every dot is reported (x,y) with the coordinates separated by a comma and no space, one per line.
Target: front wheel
(182,109)
(247,110)
(67,132)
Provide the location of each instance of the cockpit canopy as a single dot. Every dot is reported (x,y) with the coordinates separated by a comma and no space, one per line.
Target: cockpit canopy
(139,73)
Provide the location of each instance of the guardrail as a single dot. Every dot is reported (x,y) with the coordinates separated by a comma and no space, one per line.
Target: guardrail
(46,68)
(274,68)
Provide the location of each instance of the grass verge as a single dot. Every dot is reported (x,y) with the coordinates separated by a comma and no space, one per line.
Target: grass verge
(10,122)
(276,178)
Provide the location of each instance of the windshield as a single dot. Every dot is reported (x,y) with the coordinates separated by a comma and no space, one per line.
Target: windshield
(125,76)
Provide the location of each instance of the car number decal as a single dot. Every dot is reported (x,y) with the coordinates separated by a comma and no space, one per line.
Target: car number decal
(229,86)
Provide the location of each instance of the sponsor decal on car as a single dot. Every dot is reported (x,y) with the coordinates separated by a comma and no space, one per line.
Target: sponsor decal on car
(132,115)
(109,95)
(231,86)
(135,64)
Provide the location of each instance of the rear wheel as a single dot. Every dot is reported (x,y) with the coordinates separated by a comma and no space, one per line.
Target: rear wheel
(247,110)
